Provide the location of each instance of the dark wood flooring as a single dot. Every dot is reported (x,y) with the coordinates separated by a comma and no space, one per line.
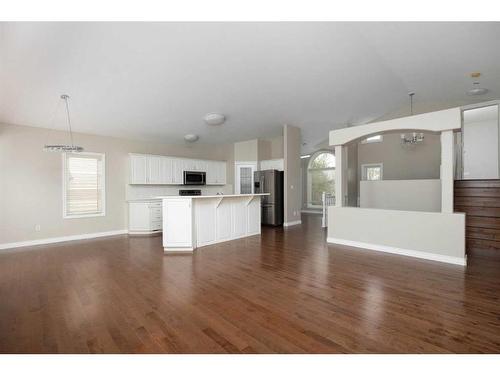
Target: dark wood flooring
(285,292)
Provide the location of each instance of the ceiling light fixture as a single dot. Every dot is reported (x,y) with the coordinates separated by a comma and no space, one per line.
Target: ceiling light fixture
(191,138)
(214,119)
(65,148)
(476,88)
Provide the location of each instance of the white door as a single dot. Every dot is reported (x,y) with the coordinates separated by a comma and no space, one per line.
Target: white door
(244,178)
(138,169)
(480,143)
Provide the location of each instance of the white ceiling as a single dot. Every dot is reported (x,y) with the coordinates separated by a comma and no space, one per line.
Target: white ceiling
(156,81)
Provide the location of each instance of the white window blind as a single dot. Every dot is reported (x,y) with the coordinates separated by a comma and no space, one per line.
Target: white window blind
(84,189)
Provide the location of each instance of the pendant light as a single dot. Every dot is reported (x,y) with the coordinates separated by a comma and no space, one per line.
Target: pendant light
(65,148)
(476,86)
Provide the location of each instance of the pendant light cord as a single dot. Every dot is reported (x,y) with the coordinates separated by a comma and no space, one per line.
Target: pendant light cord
(411,102)
(66,97)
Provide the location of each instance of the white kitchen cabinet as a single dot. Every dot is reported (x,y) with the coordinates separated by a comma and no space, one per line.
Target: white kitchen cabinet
(180,225)
(211,170)
(145,217)
(165,170)
(138,169)
(216,172)
(177,171)
(221,172)
(155,170)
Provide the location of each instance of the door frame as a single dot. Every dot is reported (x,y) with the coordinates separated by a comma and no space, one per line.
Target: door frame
(237,166)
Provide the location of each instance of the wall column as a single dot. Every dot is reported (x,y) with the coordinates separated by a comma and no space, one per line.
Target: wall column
(339,180)
(446,172)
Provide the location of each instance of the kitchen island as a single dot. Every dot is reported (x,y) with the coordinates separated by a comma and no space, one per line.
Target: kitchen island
(190,222)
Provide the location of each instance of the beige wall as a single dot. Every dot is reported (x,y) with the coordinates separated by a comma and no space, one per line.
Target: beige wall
(421,161)
(31,180)
(292,188)
(259,149)
(429,235)
(246,150)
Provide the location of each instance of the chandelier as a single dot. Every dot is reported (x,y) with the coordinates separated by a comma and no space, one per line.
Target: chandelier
(65,148)
(412,139)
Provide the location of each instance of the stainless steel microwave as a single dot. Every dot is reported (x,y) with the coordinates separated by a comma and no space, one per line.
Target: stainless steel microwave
(195,178)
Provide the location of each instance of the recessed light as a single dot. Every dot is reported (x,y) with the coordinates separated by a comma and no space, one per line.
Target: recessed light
(191,137)
(214,118)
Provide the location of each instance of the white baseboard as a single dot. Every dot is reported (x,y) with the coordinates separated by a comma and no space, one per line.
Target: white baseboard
(45,241)
(312,212)
(398,251)
(290,223)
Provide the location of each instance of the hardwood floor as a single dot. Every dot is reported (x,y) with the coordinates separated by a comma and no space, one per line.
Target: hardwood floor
(285,292)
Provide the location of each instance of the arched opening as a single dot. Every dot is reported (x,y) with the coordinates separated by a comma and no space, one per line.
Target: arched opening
(320,177)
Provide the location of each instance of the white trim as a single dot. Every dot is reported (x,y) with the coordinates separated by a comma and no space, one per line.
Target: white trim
(367,140)
(311,211)
(290,223)
(242,164)
(64,192)
(45,241)
(398,251)
(178,250)
(145,233)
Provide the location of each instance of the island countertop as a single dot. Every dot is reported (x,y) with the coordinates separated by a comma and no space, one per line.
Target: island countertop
(209,196)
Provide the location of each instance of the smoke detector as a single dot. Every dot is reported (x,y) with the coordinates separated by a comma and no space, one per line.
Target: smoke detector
(214,119)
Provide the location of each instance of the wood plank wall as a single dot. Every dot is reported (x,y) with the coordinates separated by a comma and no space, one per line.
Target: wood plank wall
(480,200)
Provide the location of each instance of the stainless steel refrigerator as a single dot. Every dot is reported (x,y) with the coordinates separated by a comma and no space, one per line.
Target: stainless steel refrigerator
(270,181)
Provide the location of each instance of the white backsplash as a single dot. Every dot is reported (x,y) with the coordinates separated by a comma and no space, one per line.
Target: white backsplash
(151,191)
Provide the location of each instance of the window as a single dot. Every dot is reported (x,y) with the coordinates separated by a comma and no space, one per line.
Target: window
(320,178)
(83,185)
(373,139)
(372,172)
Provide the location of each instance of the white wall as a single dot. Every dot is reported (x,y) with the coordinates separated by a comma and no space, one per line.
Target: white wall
(427,235)
(480,143)
(409,195)
(31,180)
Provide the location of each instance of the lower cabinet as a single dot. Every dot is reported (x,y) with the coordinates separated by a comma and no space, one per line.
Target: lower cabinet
(144,217)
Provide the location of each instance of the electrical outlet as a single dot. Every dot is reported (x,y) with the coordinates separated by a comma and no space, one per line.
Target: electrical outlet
(37,228)
(294,213)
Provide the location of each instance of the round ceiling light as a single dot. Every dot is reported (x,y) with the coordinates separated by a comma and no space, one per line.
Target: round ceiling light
(477,91)
(191,137)
(476,87)
(214,119)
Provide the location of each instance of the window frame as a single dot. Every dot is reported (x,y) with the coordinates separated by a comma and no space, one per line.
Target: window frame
(364,174)
(64,186)
(309,177)
(368,141)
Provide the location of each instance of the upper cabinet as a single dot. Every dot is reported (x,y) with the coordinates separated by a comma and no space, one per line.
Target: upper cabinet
(138,169)
(164,170)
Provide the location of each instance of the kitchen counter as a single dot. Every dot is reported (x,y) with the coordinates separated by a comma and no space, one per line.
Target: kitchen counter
(190,222)
(209,196)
